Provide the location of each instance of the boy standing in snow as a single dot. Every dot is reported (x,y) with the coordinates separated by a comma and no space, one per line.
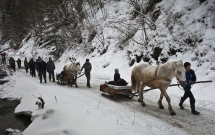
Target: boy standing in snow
(191,79)
(87,66)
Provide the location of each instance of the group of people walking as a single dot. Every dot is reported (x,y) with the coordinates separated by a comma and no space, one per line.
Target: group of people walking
(11,61)
(41,67)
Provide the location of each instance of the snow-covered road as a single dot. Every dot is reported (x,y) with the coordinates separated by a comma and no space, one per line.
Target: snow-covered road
(128,113)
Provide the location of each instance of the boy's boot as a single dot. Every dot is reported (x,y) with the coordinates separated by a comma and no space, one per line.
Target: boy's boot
(89,85)
(193,110)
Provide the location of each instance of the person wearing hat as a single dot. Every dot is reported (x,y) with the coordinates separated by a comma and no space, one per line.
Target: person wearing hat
(191,79)
(87,67)
(26,64)
(119,81)
(50,69)
(3,55)
(12,63)
(31,65)
(41,69)
(19,63)
(117,76)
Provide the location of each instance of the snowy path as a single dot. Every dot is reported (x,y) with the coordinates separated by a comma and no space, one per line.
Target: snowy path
(159,121)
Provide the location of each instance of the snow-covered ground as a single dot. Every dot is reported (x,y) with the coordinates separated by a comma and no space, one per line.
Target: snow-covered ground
(84,111)
(81,111)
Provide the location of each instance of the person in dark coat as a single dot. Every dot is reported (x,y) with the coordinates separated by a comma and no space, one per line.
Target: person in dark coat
(117,76)
(12,63)
(26,64)
(42,69)
(19,63)
(50,69)
(36,67)
(87,67)
(31,65)
(191,79)
(3,55)
(119,81)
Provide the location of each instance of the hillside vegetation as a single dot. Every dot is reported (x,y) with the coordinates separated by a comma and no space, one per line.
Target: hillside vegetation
(151,31)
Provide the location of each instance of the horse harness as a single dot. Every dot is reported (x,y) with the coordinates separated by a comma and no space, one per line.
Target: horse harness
(162,78)
(159,78)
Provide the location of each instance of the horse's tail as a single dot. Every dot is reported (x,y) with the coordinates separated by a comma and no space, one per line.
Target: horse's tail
(133,81)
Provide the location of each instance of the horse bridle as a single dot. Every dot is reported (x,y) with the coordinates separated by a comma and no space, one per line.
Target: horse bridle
(75,66)
(182,83)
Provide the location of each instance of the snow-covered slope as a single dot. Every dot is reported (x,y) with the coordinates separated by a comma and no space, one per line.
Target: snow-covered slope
(185,30)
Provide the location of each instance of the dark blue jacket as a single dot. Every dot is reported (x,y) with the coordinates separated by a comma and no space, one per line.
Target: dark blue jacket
(42,66)
(190,76)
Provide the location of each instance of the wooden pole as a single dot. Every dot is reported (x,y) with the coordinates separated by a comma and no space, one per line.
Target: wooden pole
(144,91)
(81,75)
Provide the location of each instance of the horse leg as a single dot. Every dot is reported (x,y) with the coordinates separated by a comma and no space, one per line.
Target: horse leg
(172,112)
(160,102)
(72,81)
(140,89)
(69,82)
(75,81)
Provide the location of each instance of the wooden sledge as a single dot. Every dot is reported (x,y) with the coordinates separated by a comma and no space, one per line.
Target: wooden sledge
(114,90)
(63,80)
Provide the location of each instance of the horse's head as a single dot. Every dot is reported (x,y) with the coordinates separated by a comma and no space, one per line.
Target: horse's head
(180,72)
(78,67)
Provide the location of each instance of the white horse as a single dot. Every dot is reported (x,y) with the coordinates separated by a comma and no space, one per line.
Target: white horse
(157,77)
(71,71)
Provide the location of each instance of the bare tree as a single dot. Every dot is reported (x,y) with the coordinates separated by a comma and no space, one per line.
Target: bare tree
(91,22)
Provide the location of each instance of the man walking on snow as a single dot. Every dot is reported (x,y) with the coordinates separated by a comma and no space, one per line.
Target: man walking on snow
(26,64)
(87,66)
(3,55)
(50,69)
(42,69)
